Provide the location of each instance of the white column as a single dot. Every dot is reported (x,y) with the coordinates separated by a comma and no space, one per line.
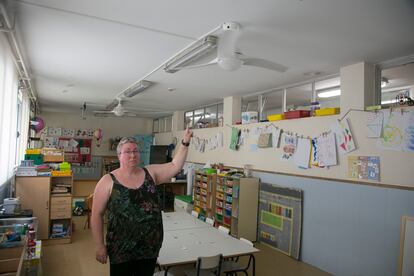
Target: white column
(357,86)
(231,110)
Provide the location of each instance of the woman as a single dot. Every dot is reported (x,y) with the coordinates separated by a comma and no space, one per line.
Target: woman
(134,232)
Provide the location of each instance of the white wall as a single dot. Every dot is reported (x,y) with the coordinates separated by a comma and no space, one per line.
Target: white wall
(111,127)
(395,169)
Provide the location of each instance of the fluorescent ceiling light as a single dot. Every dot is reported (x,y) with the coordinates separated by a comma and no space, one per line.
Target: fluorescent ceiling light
(137,88)
(389,101)
(329,93)
(193,53)
(112,105)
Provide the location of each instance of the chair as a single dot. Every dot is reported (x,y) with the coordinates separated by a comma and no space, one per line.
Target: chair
(89,203)
(224,230)
(194,213)
(206,266)
(210,221)
(231,267)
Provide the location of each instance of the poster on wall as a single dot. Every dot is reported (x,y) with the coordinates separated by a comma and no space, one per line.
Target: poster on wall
(280,218)
(397,131)
(344,138)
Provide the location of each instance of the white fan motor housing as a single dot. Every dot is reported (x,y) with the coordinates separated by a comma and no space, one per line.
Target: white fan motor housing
(230,63)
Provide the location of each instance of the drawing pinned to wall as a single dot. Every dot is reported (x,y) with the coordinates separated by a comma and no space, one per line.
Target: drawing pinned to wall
(288,145)
(364,167)
(113,143)
(374,124)
(314,152)
(235,133)
(344,138)
(302,154)
(326,154)
(398,131)
(276,136)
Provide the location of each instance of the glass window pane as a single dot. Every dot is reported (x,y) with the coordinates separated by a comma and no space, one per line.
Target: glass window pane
(155,126)
(299,98)
(211,116)
(220,114)
(198,116)
(250,104)
(168,124)
(327,92)
(188,119)
(273,103)
(395,81)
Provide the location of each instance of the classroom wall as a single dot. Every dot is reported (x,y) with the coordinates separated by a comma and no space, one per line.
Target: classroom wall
(396,167)
(349,229)
(111,127)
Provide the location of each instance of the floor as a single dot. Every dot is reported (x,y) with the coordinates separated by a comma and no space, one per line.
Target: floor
(78,258)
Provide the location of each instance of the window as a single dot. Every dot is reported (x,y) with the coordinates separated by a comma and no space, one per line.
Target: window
(209,116)
(397,81)
(163,124)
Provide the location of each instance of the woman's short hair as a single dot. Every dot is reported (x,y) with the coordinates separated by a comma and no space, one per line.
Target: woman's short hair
(125,140)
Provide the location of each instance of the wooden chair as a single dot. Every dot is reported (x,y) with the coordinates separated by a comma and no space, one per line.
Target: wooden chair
(206,266)
(231,267)
(89,203)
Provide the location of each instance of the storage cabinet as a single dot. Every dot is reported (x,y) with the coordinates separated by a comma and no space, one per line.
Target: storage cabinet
(50,198)
(236,205)
(34,193)
(204,192)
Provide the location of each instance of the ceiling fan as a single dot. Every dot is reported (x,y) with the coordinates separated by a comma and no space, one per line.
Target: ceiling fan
(229,56)
(119,110)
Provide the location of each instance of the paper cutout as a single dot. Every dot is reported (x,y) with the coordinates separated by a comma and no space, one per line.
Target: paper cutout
(344,138)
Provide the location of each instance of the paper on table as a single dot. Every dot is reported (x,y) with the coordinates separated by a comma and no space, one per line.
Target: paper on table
(302,154)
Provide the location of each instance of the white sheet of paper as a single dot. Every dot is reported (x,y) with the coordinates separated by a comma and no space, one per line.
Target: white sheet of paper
(374,124)
(302,154)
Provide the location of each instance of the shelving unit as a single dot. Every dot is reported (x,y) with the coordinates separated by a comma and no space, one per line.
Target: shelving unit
(61,209)
(204,192)
(236,205)
(51,208)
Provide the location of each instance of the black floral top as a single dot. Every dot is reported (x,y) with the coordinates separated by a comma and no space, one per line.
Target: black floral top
(134,222)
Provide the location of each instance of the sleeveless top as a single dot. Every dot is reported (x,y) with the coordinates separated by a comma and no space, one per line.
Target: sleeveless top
(135,228)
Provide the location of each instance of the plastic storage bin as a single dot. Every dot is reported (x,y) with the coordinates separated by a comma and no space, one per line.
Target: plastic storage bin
(297,114)
(327,111)
(275,117)
(37,158)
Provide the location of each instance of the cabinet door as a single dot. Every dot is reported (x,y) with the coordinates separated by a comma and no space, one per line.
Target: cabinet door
(34,193)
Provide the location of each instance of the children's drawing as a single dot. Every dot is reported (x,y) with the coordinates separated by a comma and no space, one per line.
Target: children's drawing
(393,129)
(344,138)
(374,124)
(288,146)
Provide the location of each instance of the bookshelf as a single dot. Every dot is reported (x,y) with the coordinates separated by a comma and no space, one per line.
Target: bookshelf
(204,192)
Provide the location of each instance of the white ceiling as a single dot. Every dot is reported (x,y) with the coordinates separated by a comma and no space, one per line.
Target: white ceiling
(91,50)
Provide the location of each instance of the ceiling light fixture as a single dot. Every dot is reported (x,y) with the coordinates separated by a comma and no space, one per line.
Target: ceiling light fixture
(137,88)
(329,92)
(112,105)
(194,52)
(384,82)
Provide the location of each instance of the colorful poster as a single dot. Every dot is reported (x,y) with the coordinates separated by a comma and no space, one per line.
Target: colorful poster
(344,138)
(364,167)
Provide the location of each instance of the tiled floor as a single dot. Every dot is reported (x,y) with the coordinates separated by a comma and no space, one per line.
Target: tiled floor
(78,258)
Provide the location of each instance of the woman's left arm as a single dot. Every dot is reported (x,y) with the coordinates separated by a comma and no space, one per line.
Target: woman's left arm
(164,172)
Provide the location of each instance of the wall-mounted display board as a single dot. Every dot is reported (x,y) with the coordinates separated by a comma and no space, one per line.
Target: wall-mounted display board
(280,218)
(77,150)
(406,264)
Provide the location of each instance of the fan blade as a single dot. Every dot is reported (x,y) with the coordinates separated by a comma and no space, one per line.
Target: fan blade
(103,111)
(227,43)
(259,62)
(214,61)
(130,114)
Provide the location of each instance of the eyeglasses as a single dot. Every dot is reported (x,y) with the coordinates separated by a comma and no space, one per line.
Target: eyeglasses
(129,152)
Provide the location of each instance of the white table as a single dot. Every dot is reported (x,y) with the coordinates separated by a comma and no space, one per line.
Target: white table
(181,220)
(184,245)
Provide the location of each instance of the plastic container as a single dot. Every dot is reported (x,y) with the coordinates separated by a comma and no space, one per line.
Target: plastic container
(37,158)
(275,117)
(297,114)
(313,107)
(327,111)
(33,151)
